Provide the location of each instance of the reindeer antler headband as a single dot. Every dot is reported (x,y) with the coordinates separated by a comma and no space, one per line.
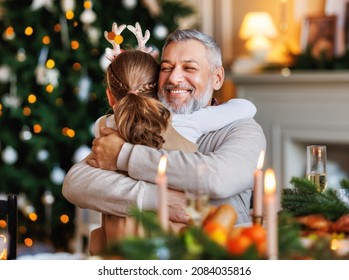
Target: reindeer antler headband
(114,37)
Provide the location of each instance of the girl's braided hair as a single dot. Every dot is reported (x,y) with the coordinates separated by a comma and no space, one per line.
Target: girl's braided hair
(140,117)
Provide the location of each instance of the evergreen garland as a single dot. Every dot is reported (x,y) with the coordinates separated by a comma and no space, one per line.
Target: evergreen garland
(304,199)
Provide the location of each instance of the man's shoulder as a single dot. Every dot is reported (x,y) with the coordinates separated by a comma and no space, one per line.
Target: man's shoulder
(246,123)
(242,127)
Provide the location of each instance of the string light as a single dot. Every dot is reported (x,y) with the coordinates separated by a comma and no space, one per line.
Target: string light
(46,40)
(9,33)
(69,15)
(37,128)
(64,219)
(66,131)
(28,242)
(87,4)
(57,28)
(49,88)
(33,217)
(74,44)
(27,111)
(31,98)
(50,63)
(28,31)
(76,66)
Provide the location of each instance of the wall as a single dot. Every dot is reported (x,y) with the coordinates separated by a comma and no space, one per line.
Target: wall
(222,20)
(289,13)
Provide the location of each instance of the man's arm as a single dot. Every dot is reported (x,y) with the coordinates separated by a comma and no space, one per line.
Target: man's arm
(230,155)
(114,193)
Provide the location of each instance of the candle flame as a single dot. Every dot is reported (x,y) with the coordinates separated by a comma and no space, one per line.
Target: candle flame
(261,160)
(162,165)
(334,244)
(269,181)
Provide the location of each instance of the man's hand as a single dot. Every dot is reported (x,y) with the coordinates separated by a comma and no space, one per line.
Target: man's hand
(176,204)
(105,149)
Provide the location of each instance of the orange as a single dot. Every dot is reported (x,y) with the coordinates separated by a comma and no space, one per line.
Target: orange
(216,232)
(235,231)
(262,248)
(237,245)
(256,233)
(211,226)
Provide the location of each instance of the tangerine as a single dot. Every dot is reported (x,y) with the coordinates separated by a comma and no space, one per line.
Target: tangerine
(237,245)
(216,232)
(256,233)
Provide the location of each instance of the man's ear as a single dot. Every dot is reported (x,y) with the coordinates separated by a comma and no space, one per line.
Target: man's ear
(218,78)
(111,97)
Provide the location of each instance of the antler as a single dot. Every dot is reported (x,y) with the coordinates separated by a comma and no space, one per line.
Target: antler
(142,40)
(110,36)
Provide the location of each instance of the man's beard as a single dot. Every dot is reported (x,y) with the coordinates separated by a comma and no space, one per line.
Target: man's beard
(193,104)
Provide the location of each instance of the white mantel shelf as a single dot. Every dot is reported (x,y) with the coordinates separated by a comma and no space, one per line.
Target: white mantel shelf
(294,77)
(297,110)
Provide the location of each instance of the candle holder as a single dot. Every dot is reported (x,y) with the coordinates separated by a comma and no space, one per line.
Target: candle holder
(257,220)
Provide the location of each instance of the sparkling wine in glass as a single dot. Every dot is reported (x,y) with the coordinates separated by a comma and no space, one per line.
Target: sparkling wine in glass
(318,179)
(316,166)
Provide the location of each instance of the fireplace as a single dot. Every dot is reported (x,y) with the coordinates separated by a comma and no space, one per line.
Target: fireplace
(299,110)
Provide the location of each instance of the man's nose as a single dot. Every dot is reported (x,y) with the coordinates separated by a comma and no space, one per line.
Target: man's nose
(176,76)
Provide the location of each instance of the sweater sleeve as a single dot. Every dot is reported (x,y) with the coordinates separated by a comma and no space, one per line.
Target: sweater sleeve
(107,191)
(230,156)
(212,118)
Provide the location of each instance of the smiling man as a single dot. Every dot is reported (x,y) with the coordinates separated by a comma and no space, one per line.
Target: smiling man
(187,78)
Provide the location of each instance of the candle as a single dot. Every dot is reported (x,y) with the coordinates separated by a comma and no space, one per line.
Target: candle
(161,181)
(271,214)
(3,247)
(257,213)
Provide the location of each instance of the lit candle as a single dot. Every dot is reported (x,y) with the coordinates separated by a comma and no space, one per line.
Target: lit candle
(257,214)
(3,247)
(270,202)
(161,181)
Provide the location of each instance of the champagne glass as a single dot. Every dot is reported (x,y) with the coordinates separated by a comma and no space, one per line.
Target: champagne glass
(197,201)
(316,166)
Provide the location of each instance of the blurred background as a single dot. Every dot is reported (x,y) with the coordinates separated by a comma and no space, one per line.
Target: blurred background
(52,67)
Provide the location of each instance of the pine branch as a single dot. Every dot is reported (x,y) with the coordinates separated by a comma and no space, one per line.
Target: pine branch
(345,184)
(305,199)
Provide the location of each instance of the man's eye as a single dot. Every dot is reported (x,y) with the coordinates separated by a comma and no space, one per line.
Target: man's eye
(166,69)
(190,68)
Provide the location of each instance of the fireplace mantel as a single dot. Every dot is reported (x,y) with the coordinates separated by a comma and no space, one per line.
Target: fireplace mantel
(297,110)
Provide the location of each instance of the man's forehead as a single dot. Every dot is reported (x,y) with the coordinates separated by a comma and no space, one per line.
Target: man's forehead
(190,51)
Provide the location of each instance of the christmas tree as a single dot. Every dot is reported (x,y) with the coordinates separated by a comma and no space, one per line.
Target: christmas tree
(52,68)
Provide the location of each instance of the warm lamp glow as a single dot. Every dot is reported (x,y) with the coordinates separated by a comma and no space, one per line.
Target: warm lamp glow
(269,181)
(257,28)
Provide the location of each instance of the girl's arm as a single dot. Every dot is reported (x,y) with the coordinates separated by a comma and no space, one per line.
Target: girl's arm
(193,126)
(213,118)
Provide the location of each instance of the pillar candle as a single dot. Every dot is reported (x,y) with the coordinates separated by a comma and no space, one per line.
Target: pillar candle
(258,191)
(270,202)
(161,181)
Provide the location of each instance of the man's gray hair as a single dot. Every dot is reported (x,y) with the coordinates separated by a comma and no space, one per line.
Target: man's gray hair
(214,51)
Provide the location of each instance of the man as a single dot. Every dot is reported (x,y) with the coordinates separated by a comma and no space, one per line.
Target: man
(191,69)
